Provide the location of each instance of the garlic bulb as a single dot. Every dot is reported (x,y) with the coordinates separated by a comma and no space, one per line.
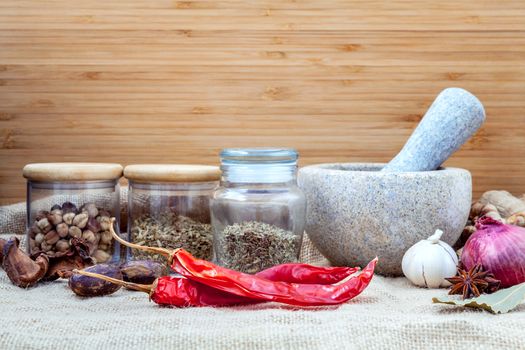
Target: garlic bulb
(427,263)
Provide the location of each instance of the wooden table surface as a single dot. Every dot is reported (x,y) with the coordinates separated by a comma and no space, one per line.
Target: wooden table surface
(175,81)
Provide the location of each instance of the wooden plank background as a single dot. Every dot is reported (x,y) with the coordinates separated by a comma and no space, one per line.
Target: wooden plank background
(176,81)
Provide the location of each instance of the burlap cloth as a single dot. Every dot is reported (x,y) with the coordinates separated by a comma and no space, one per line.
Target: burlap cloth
(390,314)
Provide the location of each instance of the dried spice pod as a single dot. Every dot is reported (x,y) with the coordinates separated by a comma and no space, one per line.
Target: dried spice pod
(20,268)
(3,242)
(142,271)
(86,286)
(62,263)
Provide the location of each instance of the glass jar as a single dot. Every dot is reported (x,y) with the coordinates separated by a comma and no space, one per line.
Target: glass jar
(258,212)
(73,200)
(169,207)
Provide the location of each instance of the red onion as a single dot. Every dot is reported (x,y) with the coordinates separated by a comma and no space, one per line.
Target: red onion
(499,248)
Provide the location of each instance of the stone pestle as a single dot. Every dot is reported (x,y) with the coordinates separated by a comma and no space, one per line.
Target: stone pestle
(451,120)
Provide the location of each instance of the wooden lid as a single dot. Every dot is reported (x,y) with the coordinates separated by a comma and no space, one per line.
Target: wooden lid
(72,171)
(172,173)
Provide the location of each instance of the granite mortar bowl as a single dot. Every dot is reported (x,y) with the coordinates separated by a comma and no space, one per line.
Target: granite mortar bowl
(355,212)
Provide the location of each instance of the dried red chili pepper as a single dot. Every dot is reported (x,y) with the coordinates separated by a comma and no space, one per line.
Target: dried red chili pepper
(179,291)
(304,273)
(250,286)
(257,288)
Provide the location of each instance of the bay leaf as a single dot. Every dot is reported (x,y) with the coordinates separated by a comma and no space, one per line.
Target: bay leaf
(499,302)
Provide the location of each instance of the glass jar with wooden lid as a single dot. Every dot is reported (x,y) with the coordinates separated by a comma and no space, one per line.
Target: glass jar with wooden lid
(168,206)
(68,203)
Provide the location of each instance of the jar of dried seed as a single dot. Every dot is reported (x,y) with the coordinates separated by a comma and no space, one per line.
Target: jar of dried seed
(69,203)
(168,206)
(258,212)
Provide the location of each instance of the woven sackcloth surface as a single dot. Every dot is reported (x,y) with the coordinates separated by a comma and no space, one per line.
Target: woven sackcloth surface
(390,314)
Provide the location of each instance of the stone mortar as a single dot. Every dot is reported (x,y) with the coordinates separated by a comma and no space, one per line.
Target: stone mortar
(356,212)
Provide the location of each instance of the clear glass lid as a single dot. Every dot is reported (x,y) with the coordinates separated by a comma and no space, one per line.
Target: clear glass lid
(258,165)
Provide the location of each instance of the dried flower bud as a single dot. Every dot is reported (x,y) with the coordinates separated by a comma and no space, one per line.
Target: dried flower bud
(44,225)
(68,207)
(105,222)
(56,206)
(90,209)
(39,238)
(62,230)
(103,246)
(89,236)
(101,256)
(75,232)
(62,245)
(68,218)
(32,244)
(80,220)
(93,225)
(55,217)
(106,237)
(51,237)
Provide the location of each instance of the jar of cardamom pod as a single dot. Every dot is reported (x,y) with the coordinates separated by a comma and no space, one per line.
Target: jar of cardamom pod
(258,212)
(168,206)
(69,209)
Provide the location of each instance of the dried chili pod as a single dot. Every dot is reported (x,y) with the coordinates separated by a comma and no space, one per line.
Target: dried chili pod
(86,286)
(20,268)
(142,271)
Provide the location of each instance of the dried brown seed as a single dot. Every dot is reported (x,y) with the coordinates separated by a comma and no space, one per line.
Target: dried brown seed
(39,238)
(89,236)
(62,230)
(106,237)
(93,225)
(44,225)
(90,209)
(68,218)
(55,217)
(62,245)
(80,220)
(45,247)
(101,256)
(75,232)
(103,246)
(105,222)
(51,237)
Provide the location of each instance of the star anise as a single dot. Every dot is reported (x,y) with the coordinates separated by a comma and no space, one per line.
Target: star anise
(473,282)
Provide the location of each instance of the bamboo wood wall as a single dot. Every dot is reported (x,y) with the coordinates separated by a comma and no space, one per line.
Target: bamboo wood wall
(175,81)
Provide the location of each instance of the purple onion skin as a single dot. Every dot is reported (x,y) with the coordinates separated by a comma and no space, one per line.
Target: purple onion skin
(499,248)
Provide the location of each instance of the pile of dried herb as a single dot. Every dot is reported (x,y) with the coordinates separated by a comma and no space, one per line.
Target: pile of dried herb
(169,230)
(254,246)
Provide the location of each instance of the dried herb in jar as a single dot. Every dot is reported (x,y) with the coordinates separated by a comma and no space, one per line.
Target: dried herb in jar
(169,230)
(254,246)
